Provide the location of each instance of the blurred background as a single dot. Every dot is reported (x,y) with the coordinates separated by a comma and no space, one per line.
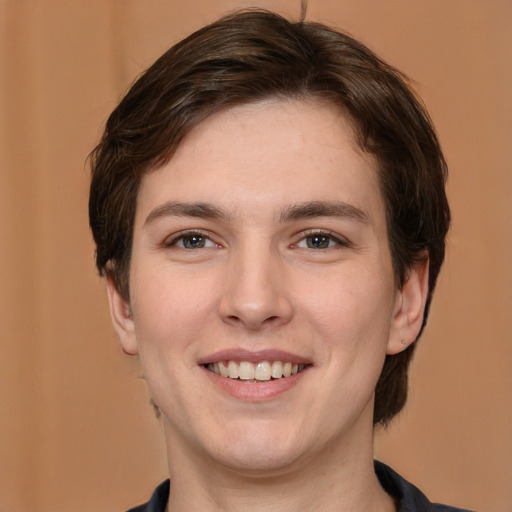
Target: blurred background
(77,432)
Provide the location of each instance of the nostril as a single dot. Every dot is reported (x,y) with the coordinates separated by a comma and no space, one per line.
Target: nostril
(252,323)
(269,320)
(255,312)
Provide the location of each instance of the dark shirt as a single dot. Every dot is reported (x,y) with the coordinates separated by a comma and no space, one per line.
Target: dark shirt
(408,497)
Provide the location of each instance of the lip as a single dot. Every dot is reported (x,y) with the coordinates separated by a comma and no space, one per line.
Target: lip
(239,354)
(254,391)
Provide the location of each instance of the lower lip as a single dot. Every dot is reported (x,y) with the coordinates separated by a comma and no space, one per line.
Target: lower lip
(255,391)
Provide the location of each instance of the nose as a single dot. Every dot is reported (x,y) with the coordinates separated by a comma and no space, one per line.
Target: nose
(256,293)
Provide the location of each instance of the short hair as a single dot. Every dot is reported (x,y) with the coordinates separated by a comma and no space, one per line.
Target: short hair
(254,55)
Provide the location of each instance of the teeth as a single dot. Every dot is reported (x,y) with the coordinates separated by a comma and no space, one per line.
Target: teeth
(261,371)
(233,370)
(246,370)
(277,369)
(223,369)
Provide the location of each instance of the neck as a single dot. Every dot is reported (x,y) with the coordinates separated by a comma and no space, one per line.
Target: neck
(332,480)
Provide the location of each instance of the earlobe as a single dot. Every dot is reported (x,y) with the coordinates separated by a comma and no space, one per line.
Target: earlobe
(122,319)
(409,308)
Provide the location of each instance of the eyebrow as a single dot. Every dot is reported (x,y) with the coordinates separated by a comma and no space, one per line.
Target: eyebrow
(306,210)
(313,209)
(198,210)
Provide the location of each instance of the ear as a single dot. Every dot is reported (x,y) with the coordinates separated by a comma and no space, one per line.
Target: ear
(409,309)
(122,319)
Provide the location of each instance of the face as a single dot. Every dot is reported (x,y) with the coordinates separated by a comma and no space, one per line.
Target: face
(262,294)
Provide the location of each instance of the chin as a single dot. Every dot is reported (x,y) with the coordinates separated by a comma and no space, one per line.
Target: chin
(257,462)
(260,448)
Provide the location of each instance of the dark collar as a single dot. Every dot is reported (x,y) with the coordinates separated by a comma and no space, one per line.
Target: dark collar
(158,501)
(408,497)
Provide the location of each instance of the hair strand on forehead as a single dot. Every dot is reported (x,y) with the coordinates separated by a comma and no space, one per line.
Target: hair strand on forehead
(303,10)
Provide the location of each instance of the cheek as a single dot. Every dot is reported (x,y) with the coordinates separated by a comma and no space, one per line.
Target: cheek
(170,315)
(169,312)
(351,299)
(351,315)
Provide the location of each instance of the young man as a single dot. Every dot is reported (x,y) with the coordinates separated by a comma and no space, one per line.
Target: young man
(269,211)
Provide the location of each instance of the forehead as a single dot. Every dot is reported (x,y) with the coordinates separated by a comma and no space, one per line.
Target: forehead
(265,155)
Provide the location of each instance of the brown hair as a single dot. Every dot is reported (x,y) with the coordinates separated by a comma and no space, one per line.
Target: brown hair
(250,56)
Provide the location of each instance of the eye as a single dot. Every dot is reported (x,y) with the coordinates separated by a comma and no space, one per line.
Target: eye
(318,241)
(191,240)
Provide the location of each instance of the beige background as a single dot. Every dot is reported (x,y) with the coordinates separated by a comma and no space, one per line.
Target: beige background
(76,430)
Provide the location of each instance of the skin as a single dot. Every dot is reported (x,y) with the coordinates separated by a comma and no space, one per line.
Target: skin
(256,271)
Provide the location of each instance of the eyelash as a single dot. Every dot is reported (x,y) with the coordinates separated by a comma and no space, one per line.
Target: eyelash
(328,235)
(172,242)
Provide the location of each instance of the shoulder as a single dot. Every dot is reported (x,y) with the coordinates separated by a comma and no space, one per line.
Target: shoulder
(158,501)
(409,498)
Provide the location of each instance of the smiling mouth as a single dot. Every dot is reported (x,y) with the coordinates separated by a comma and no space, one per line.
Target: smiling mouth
(258,372)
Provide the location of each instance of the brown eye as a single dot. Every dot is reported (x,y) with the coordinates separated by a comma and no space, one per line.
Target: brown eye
(191,241)
(319,242)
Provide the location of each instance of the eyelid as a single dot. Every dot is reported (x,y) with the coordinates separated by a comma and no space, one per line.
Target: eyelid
(336,237)
(171,240)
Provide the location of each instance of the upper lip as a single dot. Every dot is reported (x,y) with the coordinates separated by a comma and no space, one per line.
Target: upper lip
(239,354)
